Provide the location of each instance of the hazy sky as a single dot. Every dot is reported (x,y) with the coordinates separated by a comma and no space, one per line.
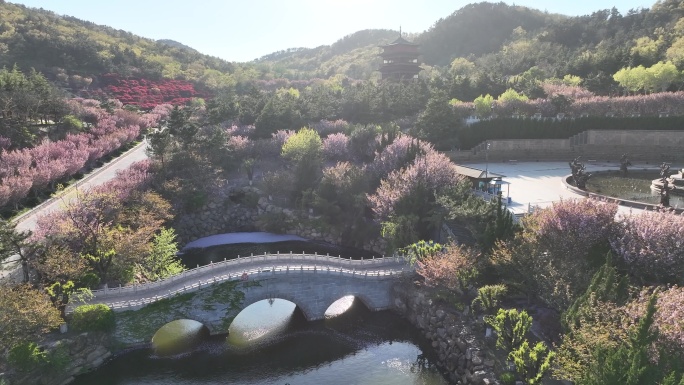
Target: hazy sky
(243,30)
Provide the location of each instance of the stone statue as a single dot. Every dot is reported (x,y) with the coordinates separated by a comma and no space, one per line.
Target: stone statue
(665,194)
(575,166)
(624,162)
(581,179)
(579,175)
(664,170)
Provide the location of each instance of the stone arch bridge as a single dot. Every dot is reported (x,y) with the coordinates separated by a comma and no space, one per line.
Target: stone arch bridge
(214,294)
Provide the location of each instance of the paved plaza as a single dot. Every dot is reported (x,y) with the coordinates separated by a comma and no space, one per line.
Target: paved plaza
(540,183)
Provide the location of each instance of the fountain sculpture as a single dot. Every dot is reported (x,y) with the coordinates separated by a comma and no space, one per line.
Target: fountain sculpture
(624,163)
(668,184)
(579,175)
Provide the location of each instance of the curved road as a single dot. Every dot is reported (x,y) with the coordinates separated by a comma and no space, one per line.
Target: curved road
(99,176)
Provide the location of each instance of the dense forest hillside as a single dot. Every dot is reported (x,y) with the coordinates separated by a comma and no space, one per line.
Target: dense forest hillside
(488,47)
(355,56)
(479,49)
(478,29)
(61,46)
(176,44)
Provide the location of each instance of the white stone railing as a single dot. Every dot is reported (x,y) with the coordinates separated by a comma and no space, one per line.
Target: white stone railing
(248,268)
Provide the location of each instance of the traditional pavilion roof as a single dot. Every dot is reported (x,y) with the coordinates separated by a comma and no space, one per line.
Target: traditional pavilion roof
(401,40)
(476,173)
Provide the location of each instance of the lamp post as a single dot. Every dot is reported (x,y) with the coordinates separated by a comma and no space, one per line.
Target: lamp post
(487,161)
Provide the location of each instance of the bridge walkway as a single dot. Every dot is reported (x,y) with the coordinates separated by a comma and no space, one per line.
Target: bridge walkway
(257,267)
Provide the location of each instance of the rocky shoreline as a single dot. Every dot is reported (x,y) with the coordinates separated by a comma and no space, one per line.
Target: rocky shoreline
(86,352)
(456,336)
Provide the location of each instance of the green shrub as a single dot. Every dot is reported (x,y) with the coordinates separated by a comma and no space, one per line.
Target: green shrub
(532,363)
(488,297)
(251,200)
(507,378)
(58,359)
(511,327)
(89,280)
(71,123)
(274,222)
(27,357)
(99,317)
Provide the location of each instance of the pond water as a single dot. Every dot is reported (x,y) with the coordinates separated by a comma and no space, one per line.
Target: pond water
(271,343)
(635,186)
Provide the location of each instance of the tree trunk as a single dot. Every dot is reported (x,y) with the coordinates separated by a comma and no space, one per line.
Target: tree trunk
(25,269)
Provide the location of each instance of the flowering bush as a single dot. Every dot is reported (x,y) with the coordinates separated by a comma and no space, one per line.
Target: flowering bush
(579,103)
(651,245)
(36,168)
(571,227)
(398,154)
(243,130)
(134,178)
(453,268)
(569,92)
(241,146)
(5,143)
(668,317)
(432,171)
(336,147)
(553,257)
(327,127)
(146,94)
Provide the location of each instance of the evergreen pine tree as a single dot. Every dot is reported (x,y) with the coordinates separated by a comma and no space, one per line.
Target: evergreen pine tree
(629,363)
(606,286)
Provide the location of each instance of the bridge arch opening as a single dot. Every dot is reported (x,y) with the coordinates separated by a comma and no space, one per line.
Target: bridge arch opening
(179,336)
(262,321)
(345,306)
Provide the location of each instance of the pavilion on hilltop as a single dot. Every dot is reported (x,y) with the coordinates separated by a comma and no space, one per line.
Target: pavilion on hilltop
(400,59)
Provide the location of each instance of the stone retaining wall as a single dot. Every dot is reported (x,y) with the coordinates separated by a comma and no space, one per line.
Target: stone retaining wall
(459,345)
(221,216)
(606,145)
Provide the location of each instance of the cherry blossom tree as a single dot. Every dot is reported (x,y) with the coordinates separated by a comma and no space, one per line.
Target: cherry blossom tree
(651,246)
(555,255)
(336,147)
(398,154)
(432,171)
(49,162)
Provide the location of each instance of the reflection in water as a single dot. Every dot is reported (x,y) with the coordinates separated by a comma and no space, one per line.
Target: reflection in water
(260,320)
(340,306)
(357,347)
(179,336)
